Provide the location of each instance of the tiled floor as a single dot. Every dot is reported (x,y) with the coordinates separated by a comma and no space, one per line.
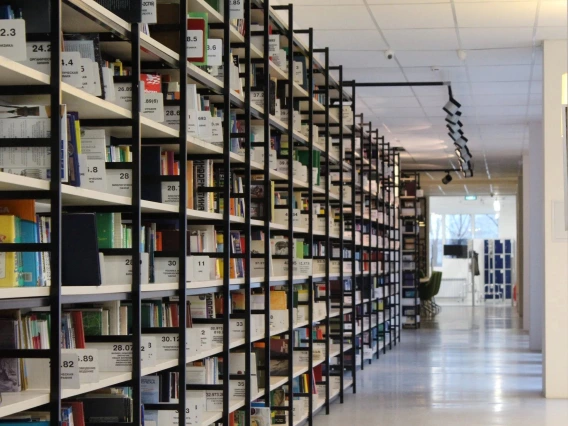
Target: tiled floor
(471,366)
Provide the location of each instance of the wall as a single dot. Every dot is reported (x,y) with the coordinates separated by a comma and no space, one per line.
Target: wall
(520,249)
(526,262)
(555,351)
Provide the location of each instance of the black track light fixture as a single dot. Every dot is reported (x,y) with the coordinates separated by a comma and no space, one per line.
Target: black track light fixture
(447,179)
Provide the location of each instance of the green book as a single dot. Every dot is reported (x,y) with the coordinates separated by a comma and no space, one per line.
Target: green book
(105,230)
(93,322)
(147,315)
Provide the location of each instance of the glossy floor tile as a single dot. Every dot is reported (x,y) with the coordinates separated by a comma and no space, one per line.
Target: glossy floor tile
(470,366)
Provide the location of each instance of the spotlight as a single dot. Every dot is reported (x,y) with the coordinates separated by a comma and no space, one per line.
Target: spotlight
(455,127)
(447,179)
(466,166)
(452,107)
(464,154)
(467,173)
(460,142)
(453,119)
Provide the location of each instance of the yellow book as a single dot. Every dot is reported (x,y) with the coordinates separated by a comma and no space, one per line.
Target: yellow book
(10,262)
(278,300)
(78,136)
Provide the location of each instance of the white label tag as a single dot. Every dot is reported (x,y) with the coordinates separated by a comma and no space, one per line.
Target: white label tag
(237,9)
(192,122)
(108,83)
(194,44)
(216,130)
(149,14)
(87,83)
(298,72)
(71,68)
(257,98)
(171,117)
(215,50)
(153,106)
(88,365)
(170,193)
(204,125)
(201,268)
(70,371)
(237,329)
(13,39)
(39,56)
(97,89)
(273,44)
(123,95)
(93,173)
(148,350)
(119,182)
(168,346)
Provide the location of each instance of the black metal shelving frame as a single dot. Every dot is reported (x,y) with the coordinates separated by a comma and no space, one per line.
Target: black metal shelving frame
(242,105)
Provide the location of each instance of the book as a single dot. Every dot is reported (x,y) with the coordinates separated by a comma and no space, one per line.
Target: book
(10,262)
(9,367)
(80,251)
(129,10)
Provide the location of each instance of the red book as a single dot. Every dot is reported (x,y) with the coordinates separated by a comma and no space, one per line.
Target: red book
(197,47)
(175,314)
(318,373)
(78,413)
(79,330)
(152,83)
(170,160)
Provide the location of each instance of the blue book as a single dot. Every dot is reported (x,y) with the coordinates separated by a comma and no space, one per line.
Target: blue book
(31,263)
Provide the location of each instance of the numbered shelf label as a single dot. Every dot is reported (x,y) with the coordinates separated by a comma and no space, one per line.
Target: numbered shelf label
(70,371)
(237,9)
(88,364)
(13,39)
(215,51)
(71,69)
(114,357)
(149,12)
(119,182)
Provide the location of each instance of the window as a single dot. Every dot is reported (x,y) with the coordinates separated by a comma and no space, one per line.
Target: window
(486,226)
(436,238)
(458,228)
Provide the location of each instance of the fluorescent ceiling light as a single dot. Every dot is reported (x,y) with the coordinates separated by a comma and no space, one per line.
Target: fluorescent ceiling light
(497,206)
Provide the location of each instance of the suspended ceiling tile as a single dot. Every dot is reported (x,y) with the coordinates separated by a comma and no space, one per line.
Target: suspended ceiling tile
(422,39)
(374,75)
(373,92)
(407,16)
(398,112)
(359,59)
(453,74)
(496,38)
(487,57)
(394,102)
(500,73)
(431,91)
(498,88)
(334,18)
(413,58)
(349,40)
(496,14)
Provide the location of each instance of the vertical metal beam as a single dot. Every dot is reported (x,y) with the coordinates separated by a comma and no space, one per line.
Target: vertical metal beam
(327,213)
(183,195)
(136,224)
(55,198)
(353,245)
(341,239)
(247,228)
(227,65)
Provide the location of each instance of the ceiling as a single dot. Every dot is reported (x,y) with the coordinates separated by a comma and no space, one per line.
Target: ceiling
(499,83)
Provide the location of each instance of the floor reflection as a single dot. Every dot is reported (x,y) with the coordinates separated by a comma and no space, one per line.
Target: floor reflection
(469,366)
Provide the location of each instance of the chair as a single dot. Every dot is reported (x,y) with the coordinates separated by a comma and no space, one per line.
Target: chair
(425,292)
(436,290)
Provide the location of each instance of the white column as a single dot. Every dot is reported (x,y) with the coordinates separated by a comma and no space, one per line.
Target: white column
(535,253)
(555,351)
(525,261)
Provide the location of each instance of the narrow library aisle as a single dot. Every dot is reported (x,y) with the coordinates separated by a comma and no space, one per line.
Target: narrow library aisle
(470,367)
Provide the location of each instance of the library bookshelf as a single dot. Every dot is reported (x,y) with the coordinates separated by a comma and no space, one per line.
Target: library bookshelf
(316,269)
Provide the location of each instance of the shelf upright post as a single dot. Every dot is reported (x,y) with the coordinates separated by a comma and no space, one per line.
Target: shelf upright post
(182,277)
(360,246)
(353,245)
(398,252)
(55,199)
(310,76)
(369,279)
(328,248)
(341,238)
(226,201)
(267,201)
(247,202)
(375,155)
(136,224)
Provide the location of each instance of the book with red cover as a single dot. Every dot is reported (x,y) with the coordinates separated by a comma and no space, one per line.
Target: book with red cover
(79,330)
(197,25)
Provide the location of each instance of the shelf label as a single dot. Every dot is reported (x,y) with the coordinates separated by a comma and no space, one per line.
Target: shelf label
(204,125)
(214,401)
(123,95)
(71,68)
(93,173)
(96,82)
(192,122)
(237,9)
(170,193)
(168,346)
(217,131)
(149,12)
(298,73)
(194,44)
(215,50)
(304,266)
(148,347)
(13,39)
(70,371)
(237,329)
(118,269)
(39,56)
(201,268)
(119,182)
(88,365)
(257,98)
(86,73)
(108,84)
(273,44)
(153,107)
